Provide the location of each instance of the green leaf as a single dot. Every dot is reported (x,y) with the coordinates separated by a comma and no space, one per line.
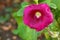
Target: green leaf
(57,2)
(56,12)
(4,18)
(41,1)
(58,20)
(39,33)
(54,26)
(15,32)
(52,5)
(30,34)
(24,31)
(48,1)
(36,1)
(24,4)
(20,11)
(8,9)
(57,16)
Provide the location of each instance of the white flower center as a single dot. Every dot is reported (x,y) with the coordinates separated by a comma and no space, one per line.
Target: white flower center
(38,14)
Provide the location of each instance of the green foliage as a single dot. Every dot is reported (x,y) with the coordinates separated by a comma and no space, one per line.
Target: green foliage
(54,26)
(36,1)
(56,13)
(57,2)
(41,1)
(23,31)
(52,5)
(8,9)
(4,18)
(20,11)
(30,34)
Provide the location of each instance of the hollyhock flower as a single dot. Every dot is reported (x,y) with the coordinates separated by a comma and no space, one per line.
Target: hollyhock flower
(38,16)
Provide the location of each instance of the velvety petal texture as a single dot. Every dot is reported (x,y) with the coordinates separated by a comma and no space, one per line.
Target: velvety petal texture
(40,23)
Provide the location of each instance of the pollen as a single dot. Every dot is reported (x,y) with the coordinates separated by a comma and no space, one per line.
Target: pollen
(38,14)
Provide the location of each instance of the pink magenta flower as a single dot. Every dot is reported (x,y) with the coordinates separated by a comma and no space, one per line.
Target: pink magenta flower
(38,16)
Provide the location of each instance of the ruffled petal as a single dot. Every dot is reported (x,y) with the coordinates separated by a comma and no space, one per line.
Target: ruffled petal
(38,24)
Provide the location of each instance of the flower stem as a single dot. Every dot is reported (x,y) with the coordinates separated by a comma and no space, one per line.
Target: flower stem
(51,33)
(36,1)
